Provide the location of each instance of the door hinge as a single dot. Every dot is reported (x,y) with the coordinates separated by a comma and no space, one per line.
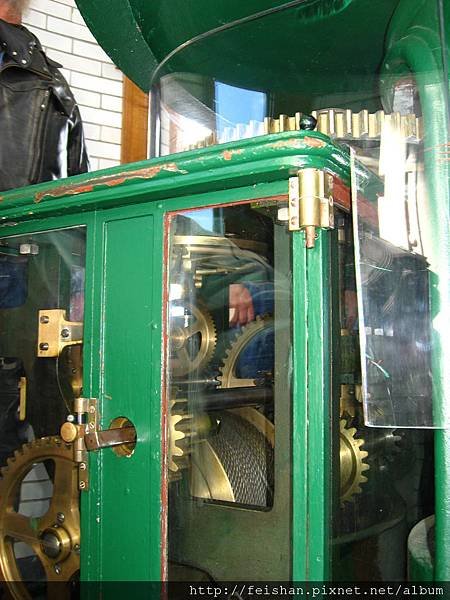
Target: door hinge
(310,203)
(82,429)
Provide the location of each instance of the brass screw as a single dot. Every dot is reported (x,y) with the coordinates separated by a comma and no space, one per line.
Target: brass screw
(57,569)
(43,346)
(60,517)
(44,319)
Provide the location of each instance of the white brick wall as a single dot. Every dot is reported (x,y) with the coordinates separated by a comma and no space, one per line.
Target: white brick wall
(95,82)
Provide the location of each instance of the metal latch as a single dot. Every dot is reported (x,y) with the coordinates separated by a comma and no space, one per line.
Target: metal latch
(55,332)
(311,203)
(22,398)
(82,430)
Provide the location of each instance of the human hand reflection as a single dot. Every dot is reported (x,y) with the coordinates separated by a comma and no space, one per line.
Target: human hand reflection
(240,304)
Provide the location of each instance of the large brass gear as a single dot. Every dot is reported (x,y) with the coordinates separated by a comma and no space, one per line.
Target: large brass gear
(55,536)
(228,377)
(192,339)
(352,465)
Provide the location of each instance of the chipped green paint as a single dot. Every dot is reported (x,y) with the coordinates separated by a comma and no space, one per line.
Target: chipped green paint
(247,162)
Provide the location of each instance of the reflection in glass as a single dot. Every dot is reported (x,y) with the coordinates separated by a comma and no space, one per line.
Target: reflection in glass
(384,485)
(396,258)
(42,271)
(193,109)
(41,321)
(228,390)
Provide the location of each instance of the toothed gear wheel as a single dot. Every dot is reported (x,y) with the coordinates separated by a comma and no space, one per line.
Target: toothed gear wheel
(180,437)
(192,339)
(229,377)
(54,536)
(352,463)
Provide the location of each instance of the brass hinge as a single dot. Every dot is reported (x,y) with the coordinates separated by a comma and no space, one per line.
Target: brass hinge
(310,203)
(55,332)
(82,429)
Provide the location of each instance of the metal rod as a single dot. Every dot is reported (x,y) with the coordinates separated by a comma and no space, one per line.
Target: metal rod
(222,399)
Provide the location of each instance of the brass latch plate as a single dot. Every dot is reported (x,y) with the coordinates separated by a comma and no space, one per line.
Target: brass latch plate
(55,332)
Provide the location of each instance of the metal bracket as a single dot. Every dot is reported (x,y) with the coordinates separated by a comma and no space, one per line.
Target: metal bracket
(84,420)
(83,431)
(55,332)
(311,203)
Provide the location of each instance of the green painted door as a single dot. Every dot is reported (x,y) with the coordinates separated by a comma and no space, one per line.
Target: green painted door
(225,460)
(120,512)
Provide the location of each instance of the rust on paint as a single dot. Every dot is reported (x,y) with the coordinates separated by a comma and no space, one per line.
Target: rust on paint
(111,180)
(228,154)
(306,142)
(341,194)
(314,142)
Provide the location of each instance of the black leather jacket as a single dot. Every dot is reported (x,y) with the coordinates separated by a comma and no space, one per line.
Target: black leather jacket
(41,134)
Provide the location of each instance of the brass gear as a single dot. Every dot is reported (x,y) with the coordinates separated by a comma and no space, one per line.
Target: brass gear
(180,435)
(55,536)
(352,465)
(185,356)
(185,430)
(228,377)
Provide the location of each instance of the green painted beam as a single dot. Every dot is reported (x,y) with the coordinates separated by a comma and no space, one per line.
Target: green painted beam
(247,162)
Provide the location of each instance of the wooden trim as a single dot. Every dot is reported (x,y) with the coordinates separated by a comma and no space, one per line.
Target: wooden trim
(134,123)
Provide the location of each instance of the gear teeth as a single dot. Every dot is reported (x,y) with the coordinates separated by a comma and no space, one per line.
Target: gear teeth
(207,329)
(13,474)
(357,457)
(226,377)
(180,437)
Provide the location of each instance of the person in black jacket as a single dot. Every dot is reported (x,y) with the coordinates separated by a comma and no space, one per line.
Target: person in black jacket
(41,138)
(41,133)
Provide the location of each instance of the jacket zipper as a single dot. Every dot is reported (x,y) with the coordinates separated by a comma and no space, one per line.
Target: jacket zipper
(40,132)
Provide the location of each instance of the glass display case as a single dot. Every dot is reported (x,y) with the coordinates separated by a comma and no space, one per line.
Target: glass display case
(230,362)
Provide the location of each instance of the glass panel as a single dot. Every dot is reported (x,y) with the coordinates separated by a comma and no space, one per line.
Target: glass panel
(402,320)
(229,392)
(41,315)
(195,109)
(190,83)
(384,485)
